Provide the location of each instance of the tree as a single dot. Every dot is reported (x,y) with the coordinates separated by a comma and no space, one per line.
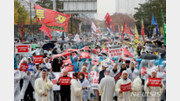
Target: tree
(20,13)
(146,10)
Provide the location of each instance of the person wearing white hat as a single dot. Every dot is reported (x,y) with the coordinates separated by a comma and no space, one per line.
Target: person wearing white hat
(107,87)
(153,92)
(101,73)
(131,70)
(123,95)
(137,87)
(42,87)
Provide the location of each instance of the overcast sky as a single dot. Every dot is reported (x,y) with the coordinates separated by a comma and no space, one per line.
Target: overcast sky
(104,6)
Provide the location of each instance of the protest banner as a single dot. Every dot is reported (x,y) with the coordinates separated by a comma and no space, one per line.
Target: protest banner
(115,52)
(95,79)
(154,82)
(69,68)
(125,87)
(23,48)
(23,67)
(38,59)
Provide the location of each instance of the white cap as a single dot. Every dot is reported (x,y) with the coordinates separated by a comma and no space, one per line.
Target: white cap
(124,72)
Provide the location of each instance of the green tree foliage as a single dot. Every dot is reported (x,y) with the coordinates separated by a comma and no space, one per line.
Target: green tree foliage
(146,10)
(20,13)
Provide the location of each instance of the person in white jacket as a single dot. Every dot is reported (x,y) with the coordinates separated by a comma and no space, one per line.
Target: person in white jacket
(107,87)
(123,95)
(85,84)
(17,77)
(137,87)
(42,87)
(153,93)
(130,71)
(76,88)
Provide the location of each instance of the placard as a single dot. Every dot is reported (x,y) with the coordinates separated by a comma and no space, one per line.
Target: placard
(125,87)
(23,48)
(23,67)
(154,82)
(115,52)
(38,59)
(94,80)
(65,80)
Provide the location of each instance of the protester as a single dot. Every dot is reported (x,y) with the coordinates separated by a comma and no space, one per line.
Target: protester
(76,88)
(153,92)
(107,87)
(86,85)
(64,88)
(124,95)
(42,87)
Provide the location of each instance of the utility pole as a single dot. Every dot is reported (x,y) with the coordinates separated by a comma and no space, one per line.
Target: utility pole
(54,5)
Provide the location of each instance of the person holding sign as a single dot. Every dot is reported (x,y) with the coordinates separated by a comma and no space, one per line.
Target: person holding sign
(42,87)
(123,88)
(76,88)
(65,86)
(107,87)
(154,87)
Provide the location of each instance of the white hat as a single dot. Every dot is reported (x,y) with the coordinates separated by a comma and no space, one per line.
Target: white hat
(123,63)
(124,72)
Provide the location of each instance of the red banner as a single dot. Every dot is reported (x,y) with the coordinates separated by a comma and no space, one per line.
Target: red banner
(85,55)
(86,74)
(46,31)
(54,20)
(65,81)
(154,82)
(143,70)
(23,48)
(125,87)
(38,59)
(23,67)
(117,77)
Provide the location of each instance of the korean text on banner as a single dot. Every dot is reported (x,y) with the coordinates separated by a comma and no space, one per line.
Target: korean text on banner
(23,48)
(126,87)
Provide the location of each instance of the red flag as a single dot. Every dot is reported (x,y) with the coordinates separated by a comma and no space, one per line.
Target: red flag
(119,29)
(46,31)
(127,30)
(52,19)
(142,30)
(108,20)
(113,27)
(22,31)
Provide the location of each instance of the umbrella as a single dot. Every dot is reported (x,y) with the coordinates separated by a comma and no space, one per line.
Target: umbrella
(103,40)
(160,50)
(126,39)
(89,43)
(149,56)
(115,46)
(52,41)
(35,46)
(62,41)
(71,41)
(151,45)
(116,37)
(48,45)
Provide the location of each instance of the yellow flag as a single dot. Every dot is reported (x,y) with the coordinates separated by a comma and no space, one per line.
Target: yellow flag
(136,32)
